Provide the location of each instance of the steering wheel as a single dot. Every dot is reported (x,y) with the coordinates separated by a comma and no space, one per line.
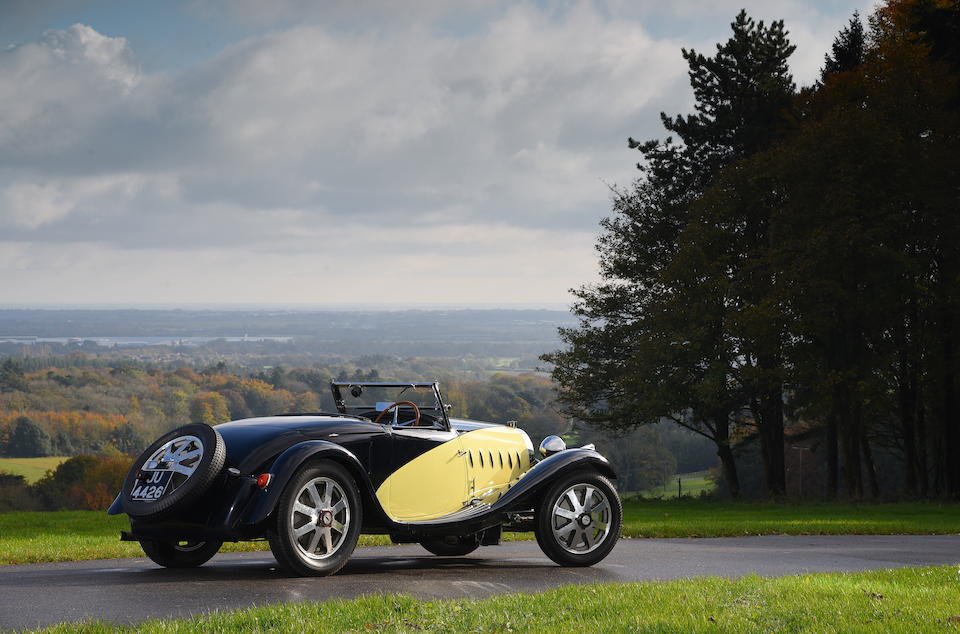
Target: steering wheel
(396,404)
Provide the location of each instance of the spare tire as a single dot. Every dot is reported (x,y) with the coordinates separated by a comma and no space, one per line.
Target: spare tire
(173,472)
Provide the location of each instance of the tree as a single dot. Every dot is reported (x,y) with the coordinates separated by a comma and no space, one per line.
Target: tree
(210,408)
(27,440)
(658,337)
(12,377)
(848,49)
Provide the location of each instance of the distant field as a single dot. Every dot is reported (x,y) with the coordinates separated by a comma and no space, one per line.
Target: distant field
(30,468)
(904,600)
(28,537)
(691,484)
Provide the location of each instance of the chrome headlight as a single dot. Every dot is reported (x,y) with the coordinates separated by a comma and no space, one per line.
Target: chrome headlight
(551,445)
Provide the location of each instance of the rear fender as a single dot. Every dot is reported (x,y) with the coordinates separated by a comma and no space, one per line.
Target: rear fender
(286,465)
(545,472)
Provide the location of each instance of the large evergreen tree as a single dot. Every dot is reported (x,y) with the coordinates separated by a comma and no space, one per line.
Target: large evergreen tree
(655,338)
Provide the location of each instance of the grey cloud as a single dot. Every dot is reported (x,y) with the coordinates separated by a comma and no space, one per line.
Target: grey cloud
(494,139)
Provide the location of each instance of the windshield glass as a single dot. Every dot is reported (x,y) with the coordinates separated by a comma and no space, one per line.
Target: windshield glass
(371,401)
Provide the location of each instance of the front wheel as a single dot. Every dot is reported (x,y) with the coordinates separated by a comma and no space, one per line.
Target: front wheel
(181,554)
(578,520)
(318,520)
(452,546)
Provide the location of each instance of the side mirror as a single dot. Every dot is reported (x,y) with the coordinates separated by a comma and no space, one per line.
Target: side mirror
(552,445)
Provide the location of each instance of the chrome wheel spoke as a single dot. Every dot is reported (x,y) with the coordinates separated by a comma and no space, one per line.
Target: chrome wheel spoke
(314,495)
(574,502)
(302,508)
(570,515)
(590,537)
(182,469)
(339,506)
(327,541)
(338,526)
(314,542)
(588,494)
(303,530)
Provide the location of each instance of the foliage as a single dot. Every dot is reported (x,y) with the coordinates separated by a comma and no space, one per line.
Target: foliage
(794,261)
(11,375)
(672,330)
(26,440)
(83,482)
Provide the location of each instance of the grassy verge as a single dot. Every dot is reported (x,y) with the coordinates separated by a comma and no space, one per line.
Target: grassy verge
(35,537)
(704,518)
(691,485)
(30,468)
(905,600)
(73,535)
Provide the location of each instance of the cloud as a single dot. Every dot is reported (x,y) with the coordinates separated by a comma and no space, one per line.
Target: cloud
(478,145)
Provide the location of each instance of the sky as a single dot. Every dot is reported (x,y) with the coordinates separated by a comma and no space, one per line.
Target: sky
(342,152)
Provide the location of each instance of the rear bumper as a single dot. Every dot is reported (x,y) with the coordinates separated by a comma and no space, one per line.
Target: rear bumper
(180,531)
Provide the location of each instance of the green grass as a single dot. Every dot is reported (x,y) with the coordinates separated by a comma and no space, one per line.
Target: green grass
(35,537)
(705,518)
(30,537)
(30,468)
(691,484)
(904,600)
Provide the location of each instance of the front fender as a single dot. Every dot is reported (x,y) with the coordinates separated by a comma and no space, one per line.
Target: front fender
(548,470)
(287,464)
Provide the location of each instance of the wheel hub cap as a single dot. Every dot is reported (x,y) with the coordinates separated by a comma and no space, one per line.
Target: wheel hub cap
(581,519)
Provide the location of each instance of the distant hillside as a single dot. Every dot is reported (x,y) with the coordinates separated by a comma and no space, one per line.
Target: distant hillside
(493,332)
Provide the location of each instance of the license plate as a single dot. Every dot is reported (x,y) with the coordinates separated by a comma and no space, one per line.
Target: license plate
(151,485)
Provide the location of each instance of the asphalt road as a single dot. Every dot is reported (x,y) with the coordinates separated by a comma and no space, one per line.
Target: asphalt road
(131,590)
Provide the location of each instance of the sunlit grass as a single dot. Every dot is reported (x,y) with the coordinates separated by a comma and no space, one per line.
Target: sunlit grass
(29,537)
(691,484)
(30,468)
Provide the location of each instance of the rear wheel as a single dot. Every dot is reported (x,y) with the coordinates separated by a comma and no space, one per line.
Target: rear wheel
(182,554)
(318,520)
(578,520)
(452,545)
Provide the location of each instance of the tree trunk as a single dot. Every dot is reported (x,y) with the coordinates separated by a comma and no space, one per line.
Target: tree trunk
(951,432)
(772,406)
(907,385)
(770,426)
(922,460)
(833,459)
(850,444)
(871,470)
(725,453)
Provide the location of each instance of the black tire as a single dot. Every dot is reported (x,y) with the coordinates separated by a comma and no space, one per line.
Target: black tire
(452,545)
(181,489)
(579,552)
(294,553)
(180,554)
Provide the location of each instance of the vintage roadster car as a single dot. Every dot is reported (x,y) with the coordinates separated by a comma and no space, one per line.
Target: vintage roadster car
(390,461)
